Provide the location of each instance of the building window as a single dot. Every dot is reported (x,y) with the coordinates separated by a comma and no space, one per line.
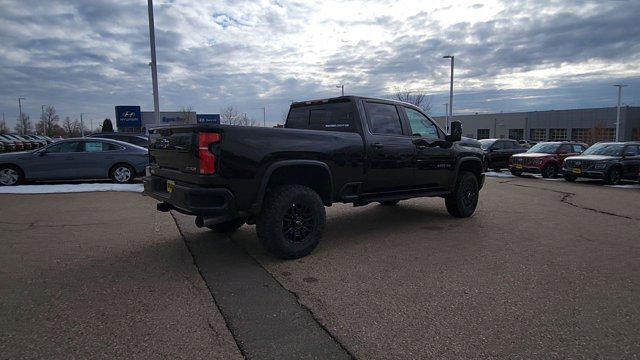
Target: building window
(538,134)
(635,134)
(557,134)
(605,134)
(483,134)
(516,134)
(581,134)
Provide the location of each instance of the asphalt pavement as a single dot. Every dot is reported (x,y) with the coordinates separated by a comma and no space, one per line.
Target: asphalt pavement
(545,269)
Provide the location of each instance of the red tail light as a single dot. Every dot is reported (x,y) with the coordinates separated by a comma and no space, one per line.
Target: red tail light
(207,158)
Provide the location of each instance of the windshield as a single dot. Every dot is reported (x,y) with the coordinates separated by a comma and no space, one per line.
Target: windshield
(605,149)
(486,144)
(545,148)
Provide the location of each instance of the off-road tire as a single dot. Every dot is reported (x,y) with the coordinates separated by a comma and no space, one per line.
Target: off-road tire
(291,222)
(227,226)
(462,202)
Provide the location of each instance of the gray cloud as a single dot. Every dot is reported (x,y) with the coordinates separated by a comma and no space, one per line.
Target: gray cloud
(89,56)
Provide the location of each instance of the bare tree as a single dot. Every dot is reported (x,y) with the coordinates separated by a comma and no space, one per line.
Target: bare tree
(48,123)
(3,127)
(417,98)
(188,114)
(73,128)
(231,116)
(24,125)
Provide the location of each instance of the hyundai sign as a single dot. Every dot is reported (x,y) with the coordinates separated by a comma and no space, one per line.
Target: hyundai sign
(208,118)
(128,117)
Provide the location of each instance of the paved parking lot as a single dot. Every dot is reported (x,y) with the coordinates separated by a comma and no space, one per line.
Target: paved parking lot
(545,269)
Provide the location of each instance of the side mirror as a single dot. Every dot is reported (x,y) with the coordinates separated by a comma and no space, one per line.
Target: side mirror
(456,131)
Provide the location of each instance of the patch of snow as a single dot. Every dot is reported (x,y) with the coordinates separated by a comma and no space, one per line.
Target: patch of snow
(498,174)
(69,188)
(628,186)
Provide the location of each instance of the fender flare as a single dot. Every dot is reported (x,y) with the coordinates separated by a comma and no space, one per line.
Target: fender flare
(264,181)
(464,159)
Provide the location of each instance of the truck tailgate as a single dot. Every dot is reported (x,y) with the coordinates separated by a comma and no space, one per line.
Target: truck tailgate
(174,149)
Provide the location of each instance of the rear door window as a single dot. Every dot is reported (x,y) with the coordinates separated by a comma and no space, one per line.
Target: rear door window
(65,147)
(383,119)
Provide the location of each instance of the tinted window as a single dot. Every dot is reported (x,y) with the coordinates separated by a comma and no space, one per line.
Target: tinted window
(98,146)
(564,149)
(138,141)
(297,118)
(420,125)
(577,148)
(331,117)
(383,119)
(631,150)
(499,145)
(65,147)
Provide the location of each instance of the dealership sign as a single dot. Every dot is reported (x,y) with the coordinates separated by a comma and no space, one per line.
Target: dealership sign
(128,116)
(208,118)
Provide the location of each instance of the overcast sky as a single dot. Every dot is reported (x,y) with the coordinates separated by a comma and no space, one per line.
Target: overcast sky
(88,56)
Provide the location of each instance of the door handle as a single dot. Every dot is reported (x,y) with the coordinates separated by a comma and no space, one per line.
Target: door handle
(377,145)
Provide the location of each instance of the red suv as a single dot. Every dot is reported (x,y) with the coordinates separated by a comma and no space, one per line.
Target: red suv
(544,158)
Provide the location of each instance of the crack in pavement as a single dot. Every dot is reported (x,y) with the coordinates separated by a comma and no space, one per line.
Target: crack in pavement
(266,319)
(566,196)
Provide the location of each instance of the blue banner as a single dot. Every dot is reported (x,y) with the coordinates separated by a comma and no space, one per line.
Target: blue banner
(128,117)
(208,118)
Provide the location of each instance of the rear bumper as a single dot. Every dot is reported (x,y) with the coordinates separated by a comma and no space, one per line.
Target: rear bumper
(591,174)
(526,169)
(190,199)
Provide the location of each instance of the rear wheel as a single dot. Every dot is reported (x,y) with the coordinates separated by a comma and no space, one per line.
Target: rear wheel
(227,226)
(11,175)
(463,201)
(613,177)
(389,202)
(122,174)
(550,171)
(291,222)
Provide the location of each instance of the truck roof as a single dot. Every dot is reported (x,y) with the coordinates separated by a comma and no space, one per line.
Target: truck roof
(347,98)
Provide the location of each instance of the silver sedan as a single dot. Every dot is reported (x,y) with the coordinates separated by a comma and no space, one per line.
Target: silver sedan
(71,159)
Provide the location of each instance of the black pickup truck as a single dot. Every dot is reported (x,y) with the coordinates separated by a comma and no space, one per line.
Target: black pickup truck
(348,149)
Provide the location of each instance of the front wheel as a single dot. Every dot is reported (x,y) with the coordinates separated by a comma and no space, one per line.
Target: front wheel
(549,171)
(516,172)
(389,202)
(570,178)
(613,177)
(463,201)
(291,222)
(10,176)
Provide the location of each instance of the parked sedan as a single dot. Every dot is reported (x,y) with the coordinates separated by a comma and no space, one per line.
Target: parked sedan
(75,159)
(498,151)
(611,162)
(544,158)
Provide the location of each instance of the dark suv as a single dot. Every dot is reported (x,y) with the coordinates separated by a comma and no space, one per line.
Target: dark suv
(611,162)
(498,151)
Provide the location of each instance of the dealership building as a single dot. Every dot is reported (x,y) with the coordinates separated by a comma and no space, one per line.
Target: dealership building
(129,118)
(586,125)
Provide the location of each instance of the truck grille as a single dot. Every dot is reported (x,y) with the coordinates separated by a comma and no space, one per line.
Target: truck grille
(582,164)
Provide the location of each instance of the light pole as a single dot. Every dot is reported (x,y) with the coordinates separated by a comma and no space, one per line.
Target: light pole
(619,86)
(446,114)
(44,125)
(264,116)
(81,126)
(20,110)
(341,86)
(153,63)
(450,117)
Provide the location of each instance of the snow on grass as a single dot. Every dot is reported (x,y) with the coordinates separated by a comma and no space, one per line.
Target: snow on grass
(498,174)
(69,188)
(627,186)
